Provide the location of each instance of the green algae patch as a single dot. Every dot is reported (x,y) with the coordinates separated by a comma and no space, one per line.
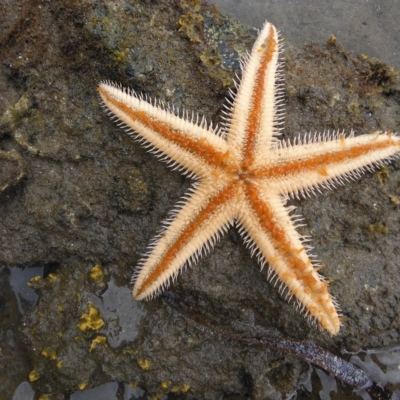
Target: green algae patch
(382,175)
(12,169)
(193,26)
(214,40)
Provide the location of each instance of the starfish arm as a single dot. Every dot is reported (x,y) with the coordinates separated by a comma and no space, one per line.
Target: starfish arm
(304,167)
(182,142)
(256,111)
(269,227)
(192,232)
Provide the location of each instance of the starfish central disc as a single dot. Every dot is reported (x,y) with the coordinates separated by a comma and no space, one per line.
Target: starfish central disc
(244,176)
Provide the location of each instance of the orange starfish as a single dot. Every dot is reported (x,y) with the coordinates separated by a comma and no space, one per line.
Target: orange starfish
(244,175)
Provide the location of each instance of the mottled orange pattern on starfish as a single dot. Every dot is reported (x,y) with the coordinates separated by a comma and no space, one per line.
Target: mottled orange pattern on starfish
(243,176)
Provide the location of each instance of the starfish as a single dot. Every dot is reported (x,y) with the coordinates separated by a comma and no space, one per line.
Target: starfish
(243,175)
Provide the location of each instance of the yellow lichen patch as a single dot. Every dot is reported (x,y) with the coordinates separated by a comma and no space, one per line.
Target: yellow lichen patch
(167,388)
(60,308)
(133,385)
(180,388)
(44,397)
(130,351)
(377,227)
(92,320)
(185,388)
(82,385)
(79,339)
(52,277)
(50,353)
(165,384)
(33,375)
(35,281)
(394,199)
(331,41)
(144,363)
(60,364)
(100,339)
(97,274)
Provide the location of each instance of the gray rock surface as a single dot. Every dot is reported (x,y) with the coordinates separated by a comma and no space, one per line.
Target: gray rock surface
(79,192)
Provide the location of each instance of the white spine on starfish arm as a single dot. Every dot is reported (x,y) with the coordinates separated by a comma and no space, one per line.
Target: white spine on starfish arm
(244,176)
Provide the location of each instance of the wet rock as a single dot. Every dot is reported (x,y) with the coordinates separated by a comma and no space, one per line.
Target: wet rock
(92,196)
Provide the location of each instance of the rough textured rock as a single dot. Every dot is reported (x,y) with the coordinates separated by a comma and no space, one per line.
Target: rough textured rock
(78,192)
